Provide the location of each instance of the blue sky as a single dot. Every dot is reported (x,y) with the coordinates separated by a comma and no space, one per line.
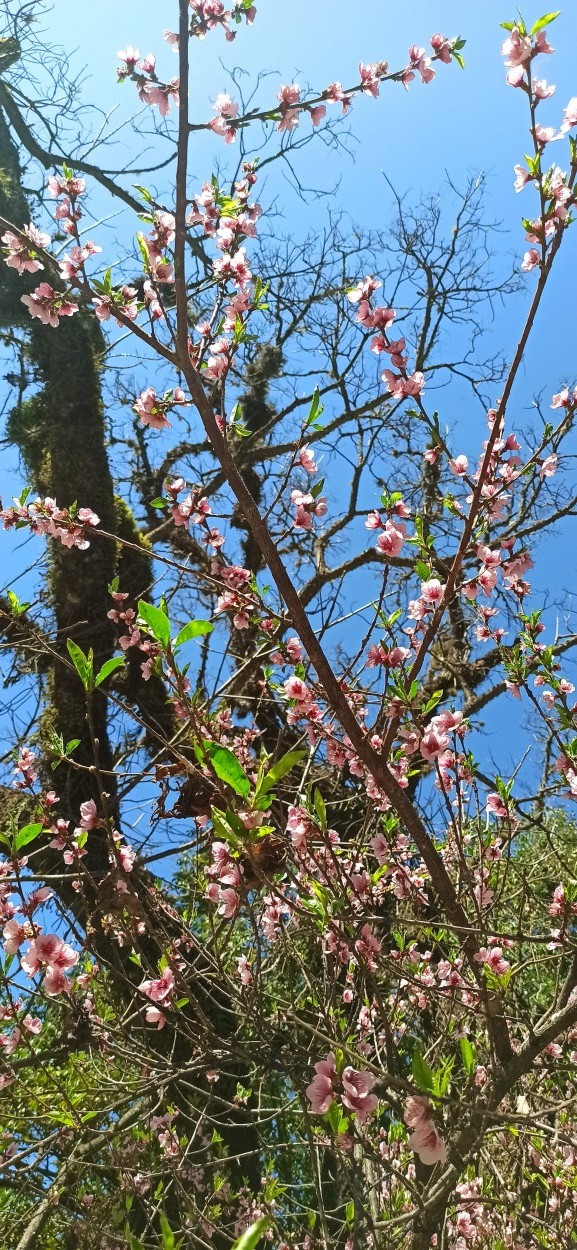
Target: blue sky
(463,123)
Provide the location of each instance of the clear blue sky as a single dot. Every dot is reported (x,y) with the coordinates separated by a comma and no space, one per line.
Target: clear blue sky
(464,122)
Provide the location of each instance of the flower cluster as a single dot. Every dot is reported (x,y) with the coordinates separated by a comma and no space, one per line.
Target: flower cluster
(401,385)
(43,516)
(425,1139)
(142,71)
(22,250)
(352,1087)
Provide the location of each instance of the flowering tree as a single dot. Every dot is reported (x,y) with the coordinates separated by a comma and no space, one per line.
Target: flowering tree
(350,1012)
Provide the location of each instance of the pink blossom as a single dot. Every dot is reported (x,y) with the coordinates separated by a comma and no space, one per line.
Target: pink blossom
(227,111)
(531,259)
(306,459)
(442,48)
(22,255)
(229,903)
(425,1139)
(48,949)
(433,744)
(432,591)
(294,650)
(55,982)
(335,94)
(32,1025)
(522,177)
(459,465)
(357,1096)
(391,539)
(569,116)
(48,305)
(370,76)
(316,113)
(160,989)
(367,947)
(493,959)
(403,388)
(516,48)
(89,818)
(562,399)
(496,806)
(516,76)
(244,971)
(542,44)
(130,56)
(541,89)
(296,689)
(151,410)
(14,935)
(307,507)
(126,855)
(160,95)
(320,1092)
(548,466)
(153,1015)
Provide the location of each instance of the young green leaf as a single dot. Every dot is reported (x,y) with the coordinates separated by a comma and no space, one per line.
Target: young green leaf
(168,1238)
(194,629)
(82,663)
(227,768)
(544,21)
(467,1055)
(279,770)
(16,607)
(251,1237)
(423,1075)
(315,410)
(26,835)
(108,667)
(320,809)
(156,621)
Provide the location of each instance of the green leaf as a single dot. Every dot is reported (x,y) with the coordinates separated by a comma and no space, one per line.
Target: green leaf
(158,503)
(26,835)
(82,663)
(542,22)
(194,629)
(72,745)
(144,192)
(422,570)
(467,1055)
(320,809)
(223,829)
(156,622)
(249,1239)
(15,605)
(279,770)
(168,1238)
(133,1241)
(109,667)
(423,1075)
(316,408)
(143,249)
(227,768)
(458,58)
